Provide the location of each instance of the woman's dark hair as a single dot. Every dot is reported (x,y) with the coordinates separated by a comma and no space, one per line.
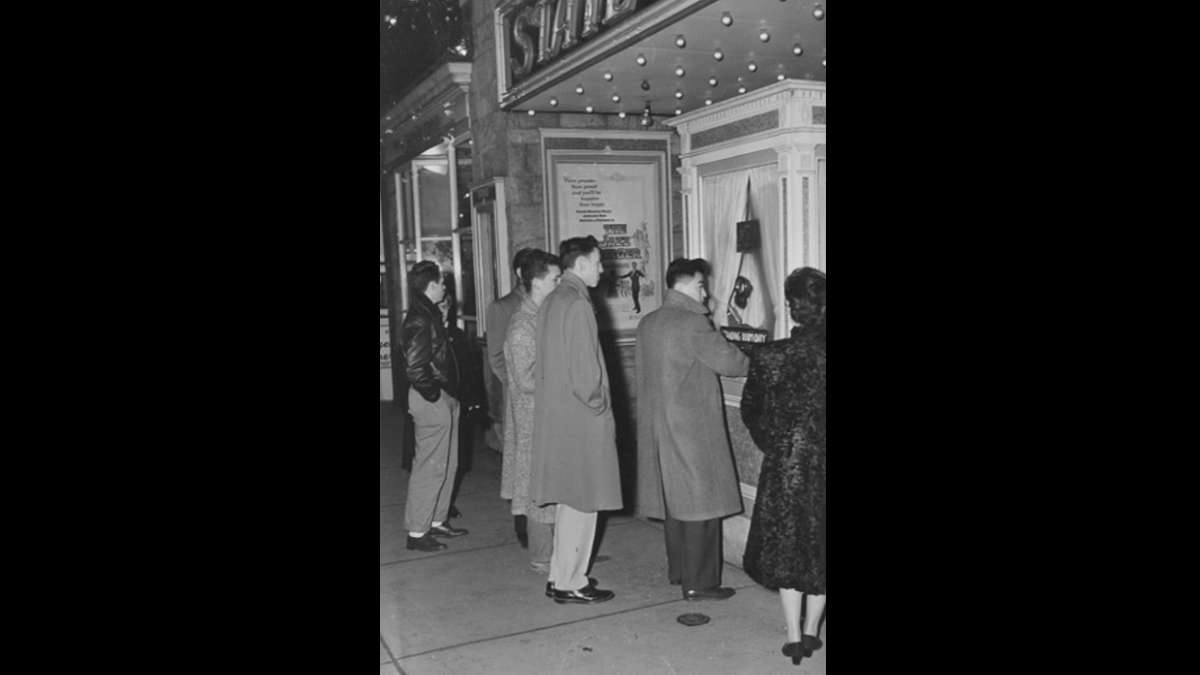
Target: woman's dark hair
(805,293)
(422,274)
(682,267)
(537,266)
(520,258)
(572,248)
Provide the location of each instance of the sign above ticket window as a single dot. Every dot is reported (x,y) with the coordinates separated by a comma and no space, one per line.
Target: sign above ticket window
(540,41)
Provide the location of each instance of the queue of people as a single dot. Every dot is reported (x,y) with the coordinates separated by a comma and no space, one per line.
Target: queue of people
(560,464)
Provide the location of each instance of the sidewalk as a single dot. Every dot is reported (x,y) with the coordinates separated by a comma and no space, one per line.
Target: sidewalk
(475,607)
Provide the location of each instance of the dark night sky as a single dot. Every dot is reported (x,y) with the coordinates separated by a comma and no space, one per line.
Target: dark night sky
(413,36)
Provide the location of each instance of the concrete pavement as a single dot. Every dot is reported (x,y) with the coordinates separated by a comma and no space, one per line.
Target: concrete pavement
(475,607)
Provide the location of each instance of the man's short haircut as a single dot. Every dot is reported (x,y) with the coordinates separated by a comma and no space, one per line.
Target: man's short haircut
(422,274)
(520,258)
(572,248)
(537,266)
(684,268)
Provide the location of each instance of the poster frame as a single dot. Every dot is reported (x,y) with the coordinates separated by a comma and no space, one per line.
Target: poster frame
(658,229)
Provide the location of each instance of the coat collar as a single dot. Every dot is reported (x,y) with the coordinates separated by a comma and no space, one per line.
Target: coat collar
(676,299)
(569,280)
(423,301)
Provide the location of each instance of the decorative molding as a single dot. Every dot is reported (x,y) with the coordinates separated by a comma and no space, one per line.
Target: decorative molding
(744,127)
(764,140)
(747,104)
(605,133)
(818,114)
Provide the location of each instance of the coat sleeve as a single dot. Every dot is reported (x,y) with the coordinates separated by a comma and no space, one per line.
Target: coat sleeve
(585,371)
(520,353)
(754,403)
(418,357)
(495,340)
(714,351)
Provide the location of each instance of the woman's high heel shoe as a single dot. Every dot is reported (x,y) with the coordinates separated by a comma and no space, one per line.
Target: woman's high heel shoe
(795,650)
(810,644)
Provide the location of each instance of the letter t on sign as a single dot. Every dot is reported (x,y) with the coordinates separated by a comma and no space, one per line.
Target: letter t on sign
(591,17)
(566,26)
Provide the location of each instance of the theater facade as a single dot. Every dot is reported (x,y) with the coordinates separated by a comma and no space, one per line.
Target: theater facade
(665,128)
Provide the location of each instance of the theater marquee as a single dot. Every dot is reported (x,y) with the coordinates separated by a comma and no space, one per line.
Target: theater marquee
(539,42)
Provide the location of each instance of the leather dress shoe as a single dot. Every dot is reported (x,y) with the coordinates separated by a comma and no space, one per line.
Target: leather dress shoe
(425,543)
(446,530)
(585,596)
(719,593)
(550,587)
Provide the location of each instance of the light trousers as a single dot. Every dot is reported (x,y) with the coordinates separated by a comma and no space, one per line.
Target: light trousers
(436,461)
(574,533)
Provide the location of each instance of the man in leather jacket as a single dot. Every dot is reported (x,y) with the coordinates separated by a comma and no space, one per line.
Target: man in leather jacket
(433,381)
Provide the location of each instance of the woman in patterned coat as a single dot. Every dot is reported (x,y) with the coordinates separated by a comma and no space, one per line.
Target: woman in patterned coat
(539,276)
(783,406)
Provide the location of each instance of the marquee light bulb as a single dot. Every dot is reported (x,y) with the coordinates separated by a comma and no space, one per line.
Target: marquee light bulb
(616,98)
(579,89)
(797,49)
(679,71)
(752,66)
(608,77)
(718,54)
(680,41)
(641,60)
(712,81)
(553,101)
(818,12)
(589,108)
(764,36)
(727,19)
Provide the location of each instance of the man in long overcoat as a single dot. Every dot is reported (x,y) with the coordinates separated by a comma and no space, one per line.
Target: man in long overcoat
(685,472)
(574,460)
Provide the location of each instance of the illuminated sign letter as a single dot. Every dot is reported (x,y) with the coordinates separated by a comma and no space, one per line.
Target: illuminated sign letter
(520,34)
(545,17)
(565,33)
(618,9)
(591,17)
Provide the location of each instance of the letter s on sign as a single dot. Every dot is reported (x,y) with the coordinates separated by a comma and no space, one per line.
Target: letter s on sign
(521,37)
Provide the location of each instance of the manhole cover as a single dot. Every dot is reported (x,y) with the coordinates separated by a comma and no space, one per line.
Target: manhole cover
(692,619)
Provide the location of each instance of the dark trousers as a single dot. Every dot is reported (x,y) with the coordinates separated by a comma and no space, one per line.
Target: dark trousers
(693,552)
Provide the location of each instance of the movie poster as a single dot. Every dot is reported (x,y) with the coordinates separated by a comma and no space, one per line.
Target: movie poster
(619,200)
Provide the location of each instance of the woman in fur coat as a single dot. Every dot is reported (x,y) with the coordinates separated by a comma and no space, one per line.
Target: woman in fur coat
(783,406)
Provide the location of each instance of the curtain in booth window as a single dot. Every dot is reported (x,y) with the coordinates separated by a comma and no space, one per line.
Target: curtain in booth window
(723,204)
(764,205)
